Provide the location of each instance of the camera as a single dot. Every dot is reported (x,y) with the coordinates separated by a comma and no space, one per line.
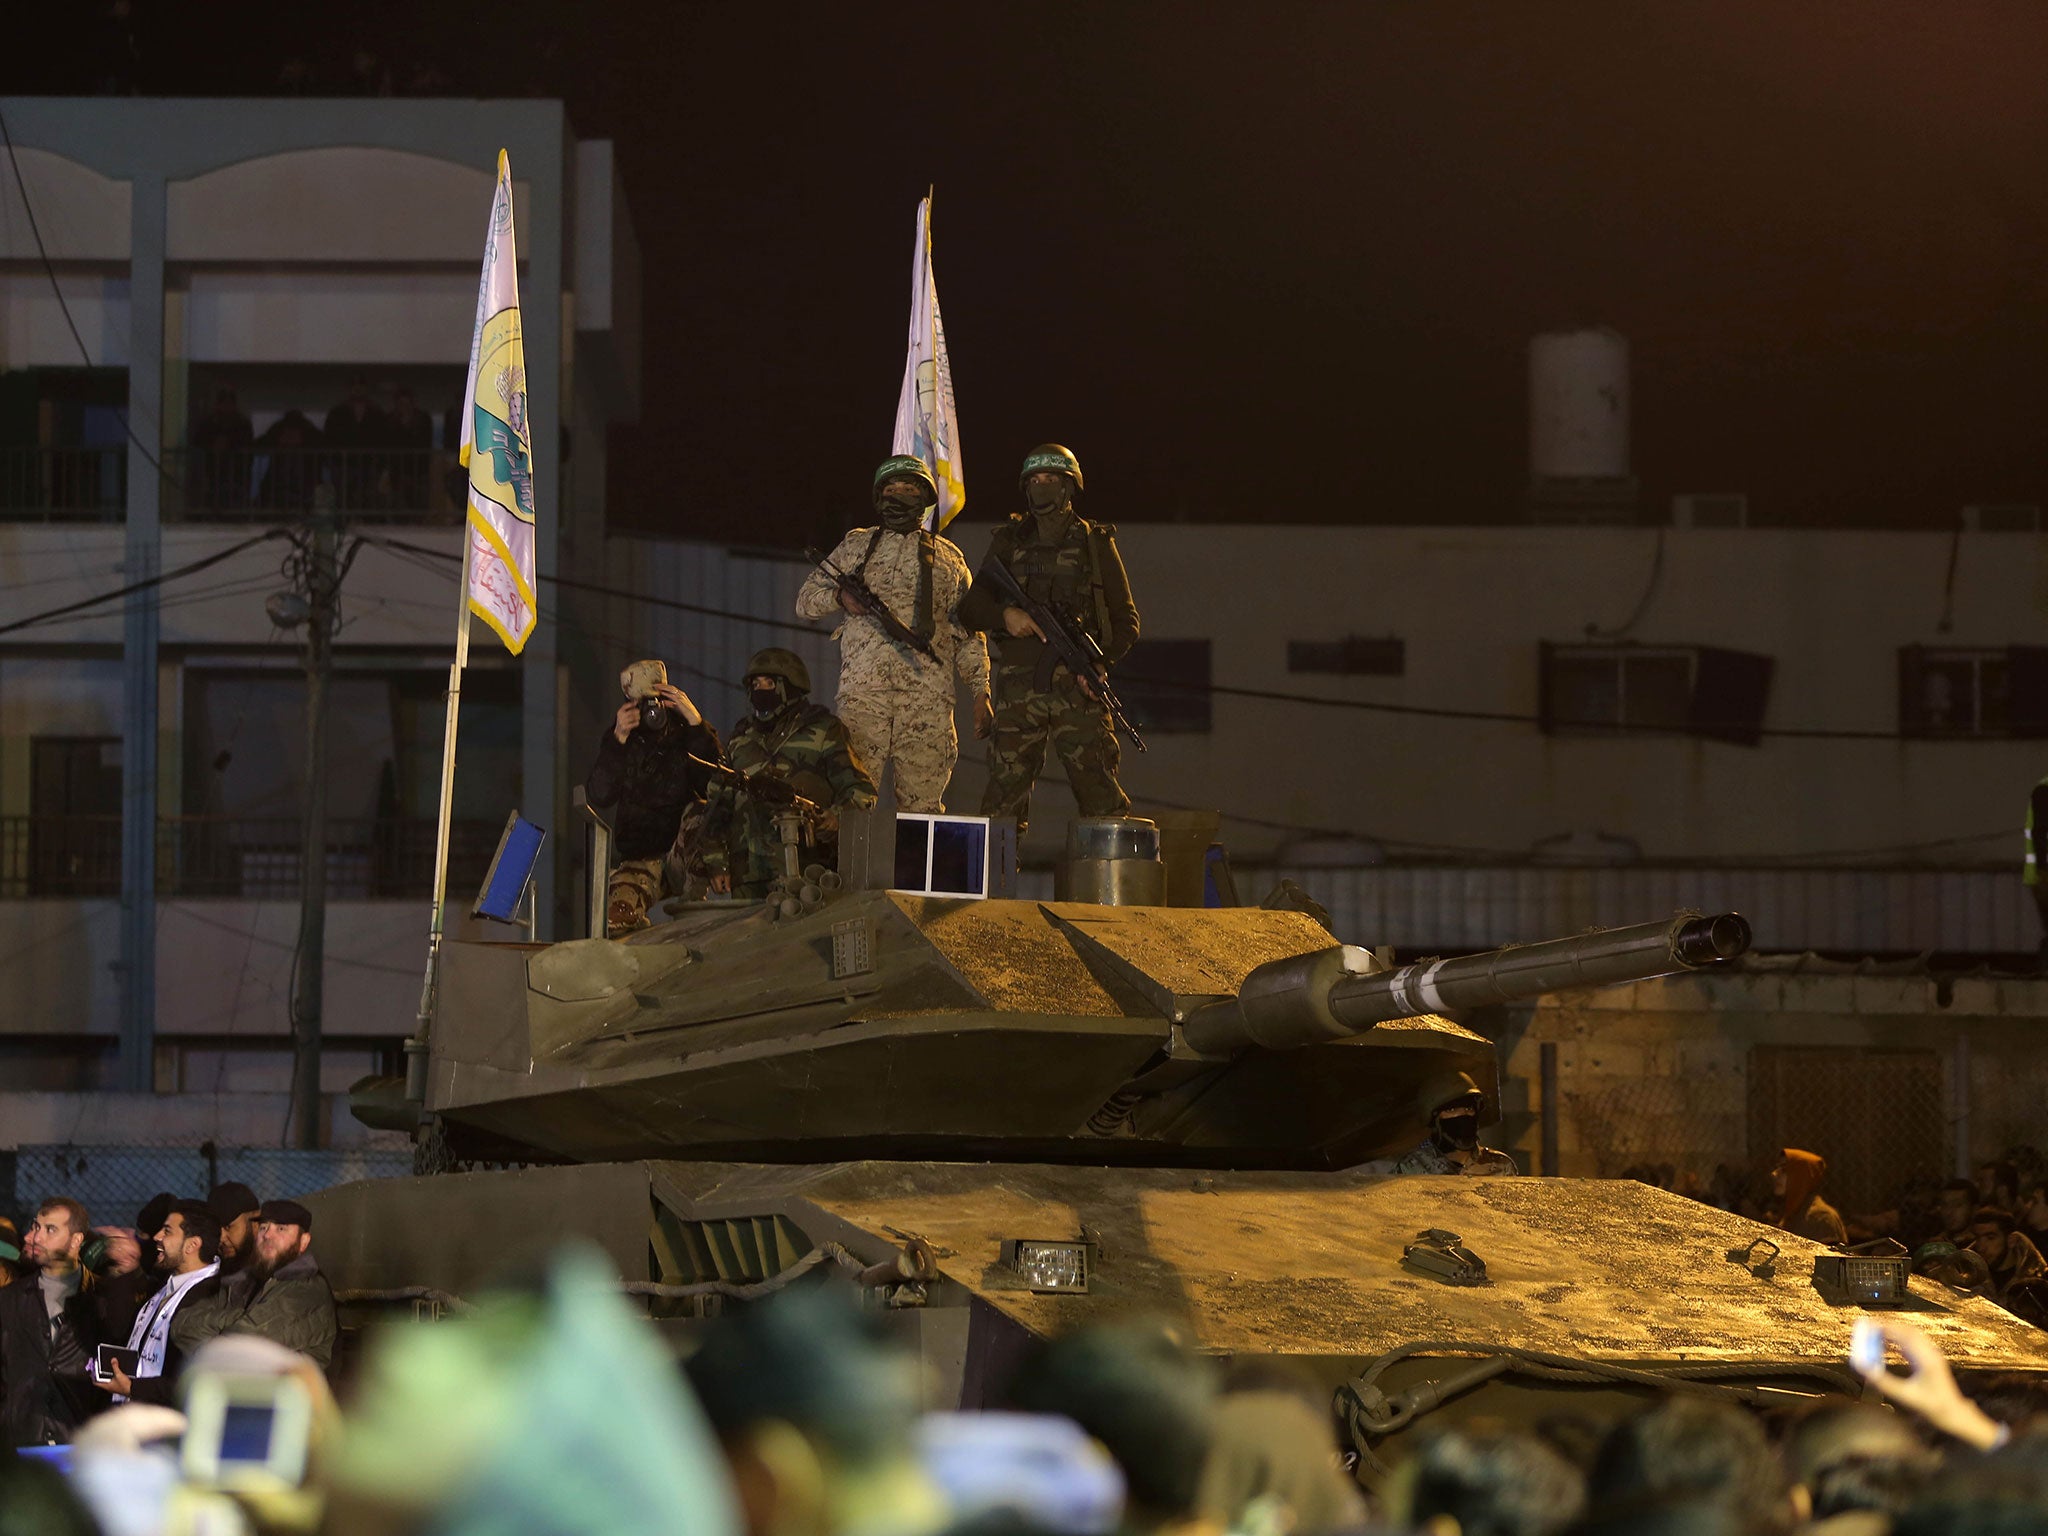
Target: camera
(246,1432)
(650,711)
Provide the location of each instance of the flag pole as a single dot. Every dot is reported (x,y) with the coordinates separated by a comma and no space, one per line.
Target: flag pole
(416,1047)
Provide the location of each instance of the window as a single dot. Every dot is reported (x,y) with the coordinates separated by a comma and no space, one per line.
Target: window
(1960,692)
(1622,689)
(1165,685)
(1353,656)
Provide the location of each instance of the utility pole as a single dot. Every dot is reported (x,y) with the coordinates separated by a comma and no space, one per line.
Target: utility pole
(316,576)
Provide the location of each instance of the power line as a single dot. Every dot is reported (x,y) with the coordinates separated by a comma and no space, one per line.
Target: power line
(191,568)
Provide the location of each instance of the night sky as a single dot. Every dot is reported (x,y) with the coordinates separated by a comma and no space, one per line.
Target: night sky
(1276,262)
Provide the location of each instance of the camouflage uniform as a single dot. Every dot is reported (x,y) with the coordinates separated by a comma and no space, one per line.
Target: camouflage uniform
(897,705)
(802,743)
(1081,577)
(1446,1092)
(1430,1158)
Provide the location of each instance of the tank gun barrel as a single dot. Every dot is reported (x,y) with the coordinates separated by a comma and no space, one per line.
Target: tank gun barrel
(1331,993)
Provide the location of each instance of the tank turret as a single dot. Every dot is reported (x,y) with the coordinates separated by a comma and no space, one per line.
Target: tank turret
(884,1024)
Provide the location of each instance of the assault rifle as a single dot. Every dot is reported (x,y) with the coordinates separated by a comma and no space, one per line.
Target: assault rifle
(1066,644)
(854,585)
(764,787)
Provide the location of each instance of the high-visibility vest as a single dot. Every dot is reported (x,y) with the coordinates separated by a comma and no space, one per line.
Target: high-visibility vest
(2030,871)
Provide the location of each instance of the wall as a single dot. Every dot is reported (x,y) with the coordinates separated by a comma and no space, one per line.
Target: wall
(1661,1072)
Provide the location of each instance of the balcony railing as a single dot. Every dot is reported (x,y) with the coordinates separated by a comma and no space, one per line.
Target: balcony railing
(256,484)
(63,485)
(236,856)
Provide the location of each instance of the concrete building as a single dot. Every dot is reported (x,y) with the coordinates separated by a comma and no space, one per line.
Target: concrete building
(272,303)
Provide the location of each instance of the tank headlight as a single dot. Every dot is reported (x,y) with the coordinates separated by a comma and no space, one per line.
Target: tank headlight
(1047,1266)
(1869,1280)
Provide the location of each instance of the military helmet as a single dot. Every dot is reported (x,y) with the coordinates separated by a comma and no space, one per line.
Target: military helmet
(1050,456)
(910,466)
(776,662)
(1444,1090)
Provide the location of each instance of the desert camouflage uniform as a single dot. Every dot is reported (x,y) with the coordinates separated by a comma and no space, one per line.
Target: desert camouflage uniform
(1081,576)
(802,743)
(897,705)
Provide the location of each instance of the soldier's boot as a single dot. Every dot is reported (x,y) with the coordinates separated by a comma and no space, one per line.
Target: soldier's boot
(626,914)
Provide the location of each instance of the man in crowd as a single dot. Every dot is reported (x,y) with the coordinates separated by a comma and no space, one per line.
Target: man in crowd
(895,701)
(1795,1184)
(234,1207)
(650,764)
(1072,567)
(801,745)
(278,1293)
(1449,1103)
(2012,1259)
(49,1330)
(1954,1206)
(188,1242)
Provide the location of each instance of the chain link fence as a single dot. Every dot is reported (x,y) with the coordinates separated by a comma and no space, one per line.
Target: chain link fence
(114,1182)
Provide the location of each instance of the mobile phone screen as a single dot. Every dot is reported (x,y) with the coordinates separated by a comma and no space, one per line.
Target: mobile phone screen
(245,1430)
(1866,1346)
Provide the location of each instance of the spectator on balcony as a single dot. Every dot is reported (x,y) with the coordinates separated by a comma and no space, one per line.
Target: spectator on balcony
(410,433)
(222,444)
(1795,1184)
(289,473)
(357,435)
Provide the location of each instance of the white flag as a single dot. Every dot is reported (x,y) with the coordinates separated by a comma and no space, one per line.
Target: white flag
(927,417)
(497,444)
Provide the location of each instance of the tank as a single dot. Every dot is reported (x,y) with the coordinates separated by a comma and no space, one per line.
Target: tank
(1005,1118)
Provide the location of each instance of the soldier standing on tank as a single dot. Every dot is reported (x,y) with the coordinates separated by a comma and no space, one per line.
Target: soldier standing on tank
(783,736)
(1071,566)
(896,703)
(1450,1102)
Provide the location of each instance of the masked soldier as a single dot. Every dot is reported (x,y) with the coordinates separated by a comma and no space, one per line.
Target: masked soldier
(895,702)
(1450,1102)
(1072,567)
(784,736)
(645,768)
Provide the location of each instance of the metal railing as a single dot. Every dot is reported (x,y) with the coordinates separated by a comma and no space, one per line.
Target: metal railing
(76,856)
(84,485)
(254,484)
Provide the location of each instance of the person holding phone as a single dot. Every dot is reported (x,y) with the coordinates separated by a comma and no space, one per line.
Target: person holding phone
(189,1243)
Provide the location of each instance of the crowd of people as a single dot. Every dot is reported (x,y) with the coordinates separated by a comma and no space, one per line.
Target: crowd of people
(555,1408)
(372,453)
(1986,1234)
(92,1317)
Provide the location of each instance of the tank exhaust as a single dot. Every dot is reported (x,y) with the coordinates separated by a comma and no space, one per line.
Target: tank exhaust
(1333,993)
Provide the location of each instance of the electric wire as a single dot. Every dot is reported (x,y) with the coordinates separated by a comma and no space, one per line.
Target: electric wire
(191,568)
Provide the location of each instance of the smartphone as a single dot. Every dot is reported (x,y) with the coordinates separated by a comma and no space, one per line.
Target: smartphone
(107,1356)
(246,1432)
(1866,1346)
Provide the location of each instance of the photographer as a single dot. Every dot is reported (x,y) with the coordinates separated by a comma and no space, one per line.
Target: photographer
(643,767)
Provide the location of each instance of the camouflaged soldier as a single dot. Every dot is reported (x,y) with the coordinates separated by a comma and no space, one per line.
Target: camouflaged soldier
(895,702)
(645,768)
(784,736)
(1450,1101)
(1073,567)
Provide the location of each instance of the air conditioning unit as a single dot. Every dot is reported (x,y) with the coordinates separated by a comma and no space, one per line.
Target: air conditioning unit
(1710,509)
(2003,517)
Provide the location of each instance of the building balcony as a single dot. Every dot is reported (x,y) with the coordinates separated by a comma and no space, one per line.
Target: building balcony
(90,485)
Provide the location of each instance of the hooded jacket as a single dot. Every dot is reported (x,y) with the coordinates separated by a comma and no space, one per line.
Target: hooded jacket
(1804,1213)
(294,1307)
